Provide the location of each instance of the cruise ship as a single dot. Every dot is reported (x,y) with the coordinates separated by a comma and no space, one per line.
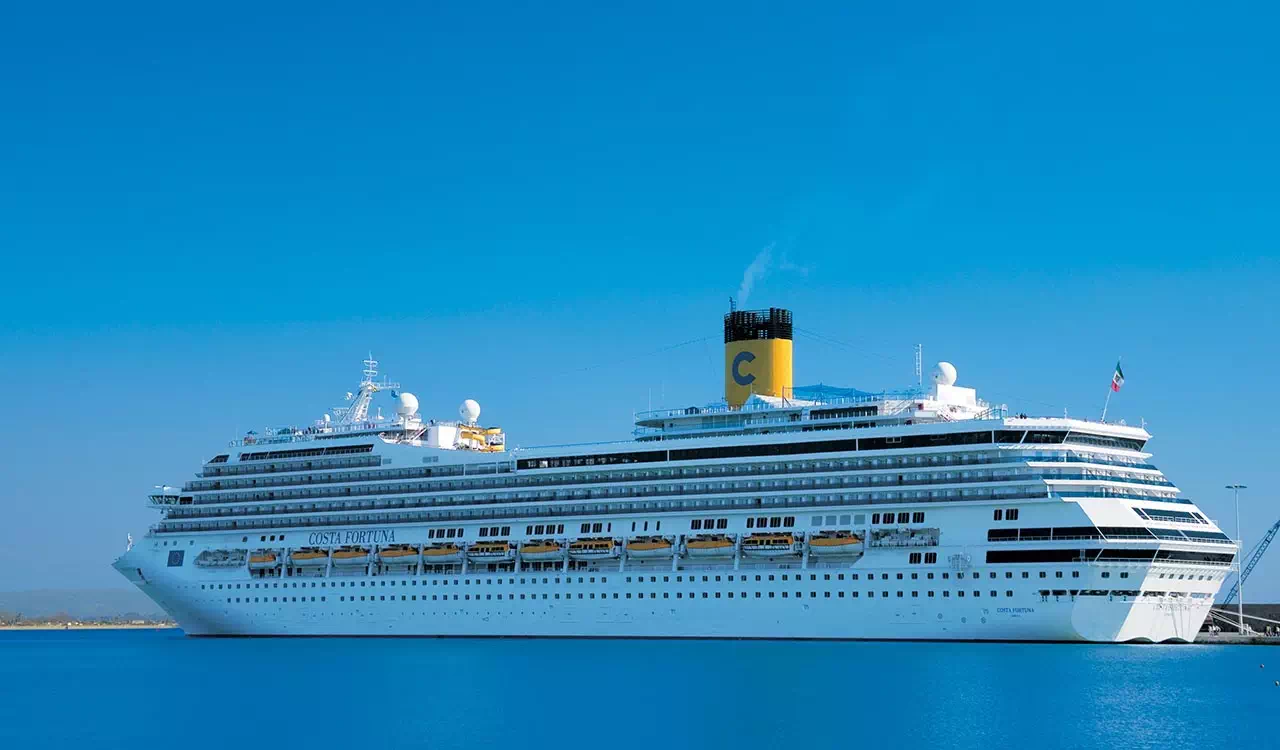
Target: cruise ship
(778,512)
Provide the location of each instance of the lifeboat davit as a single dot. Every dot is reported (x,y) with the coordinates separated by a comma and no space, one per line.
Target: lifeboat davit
(398,554)
(709,545)
(442,554)
(491,552)
(649,548)
(830,543)
(308,557)
(541,550)
(263,560)
(769,545)
(593,549)
(351,556)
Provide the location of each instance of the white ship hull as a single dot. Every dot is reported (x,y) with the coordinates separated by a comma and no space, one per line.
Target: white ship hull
(818,613)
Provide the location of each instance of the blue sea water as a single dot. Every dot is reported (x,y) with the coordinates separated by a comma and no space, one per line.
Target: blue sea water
(161,689)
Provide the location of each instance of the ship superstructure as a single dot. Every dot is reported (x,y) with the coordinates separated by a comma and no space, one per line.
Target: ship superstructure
(781,512)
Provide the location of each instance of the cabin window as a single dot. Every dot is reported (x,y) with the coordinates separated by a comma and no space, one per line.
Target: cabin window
(1011,514)
(903,516)
(930,558)
(875,518)
(751,523)
(997,515)
(722,523)
(695,524)
(917,517)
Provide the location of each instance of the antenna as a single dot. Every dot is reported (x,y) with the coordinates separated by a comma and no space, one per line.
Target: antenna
(733,304)
(358,411)
(920,365)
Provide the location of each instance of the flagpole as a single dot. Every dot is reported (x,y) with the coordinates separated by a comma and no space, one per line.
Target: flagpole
(1110,390)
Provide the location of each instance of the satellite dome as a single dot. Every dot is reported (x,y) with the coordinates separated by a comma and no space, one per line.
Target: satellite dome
(944,373)
(407,405)
(469,411)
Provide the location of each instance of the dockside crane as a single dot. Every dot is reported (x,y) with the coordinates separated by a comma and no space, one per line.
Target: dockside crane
(1255,555)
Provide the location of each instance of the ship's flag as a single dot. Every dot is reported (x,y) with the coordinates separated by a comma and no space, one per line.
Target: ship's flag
(1117,380)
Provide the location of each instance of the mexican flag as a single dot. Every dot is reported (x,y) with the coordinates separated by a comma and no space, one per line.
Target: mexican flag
(1117,379)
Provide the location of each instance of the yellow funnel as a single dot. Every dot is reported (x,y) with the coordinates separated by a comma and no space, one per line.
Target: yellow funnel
(757,354)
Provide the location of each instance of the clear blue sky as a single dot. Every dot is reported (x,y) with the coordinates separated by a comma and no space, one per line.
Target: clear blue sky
(208,216)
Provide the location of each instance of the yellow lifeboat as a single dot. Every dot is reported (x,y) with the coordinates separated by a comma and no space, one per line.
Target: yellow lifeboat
(769,545)
(709,545)
(398,554)
(351,556)
(491,552)
(830,543)
(308,557)
(263,560)
(649,548)
(593,549)
(541,550)
(442,554)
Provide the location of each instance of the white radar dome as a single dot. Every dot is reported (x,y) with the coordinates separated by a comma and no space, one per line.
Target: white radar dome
(469,411)
(944,373)
(407,405)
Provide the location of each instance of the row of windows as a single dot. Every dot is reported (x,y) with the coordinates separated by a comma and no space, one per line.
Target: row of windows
(834,446)
(1103,532)
(495,531)
(550,528)
(341,518)
(711,523)
(871,594)
(444,533)
(257,470)
(1090,555)
(562,486)
(332,450)
(929,558)
(488,472)
(774,522)
(888,519)
(665,578)
(1004,514)
(1171,516)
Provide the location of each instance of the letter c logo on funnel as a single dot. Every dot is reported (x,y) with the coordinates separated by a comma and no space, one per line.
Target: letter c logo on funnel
(738,377)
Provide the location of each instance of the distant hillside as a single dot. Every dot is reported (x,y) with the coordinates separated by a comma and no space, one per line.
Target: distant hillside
(80,603)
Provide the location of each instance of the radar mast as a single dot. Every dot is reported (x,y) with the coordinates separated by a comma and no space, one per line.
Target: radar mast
(358,411)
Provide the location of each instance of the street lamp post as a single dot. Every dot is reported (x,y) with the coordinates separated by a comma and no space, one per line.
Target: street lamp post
(1235,489)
